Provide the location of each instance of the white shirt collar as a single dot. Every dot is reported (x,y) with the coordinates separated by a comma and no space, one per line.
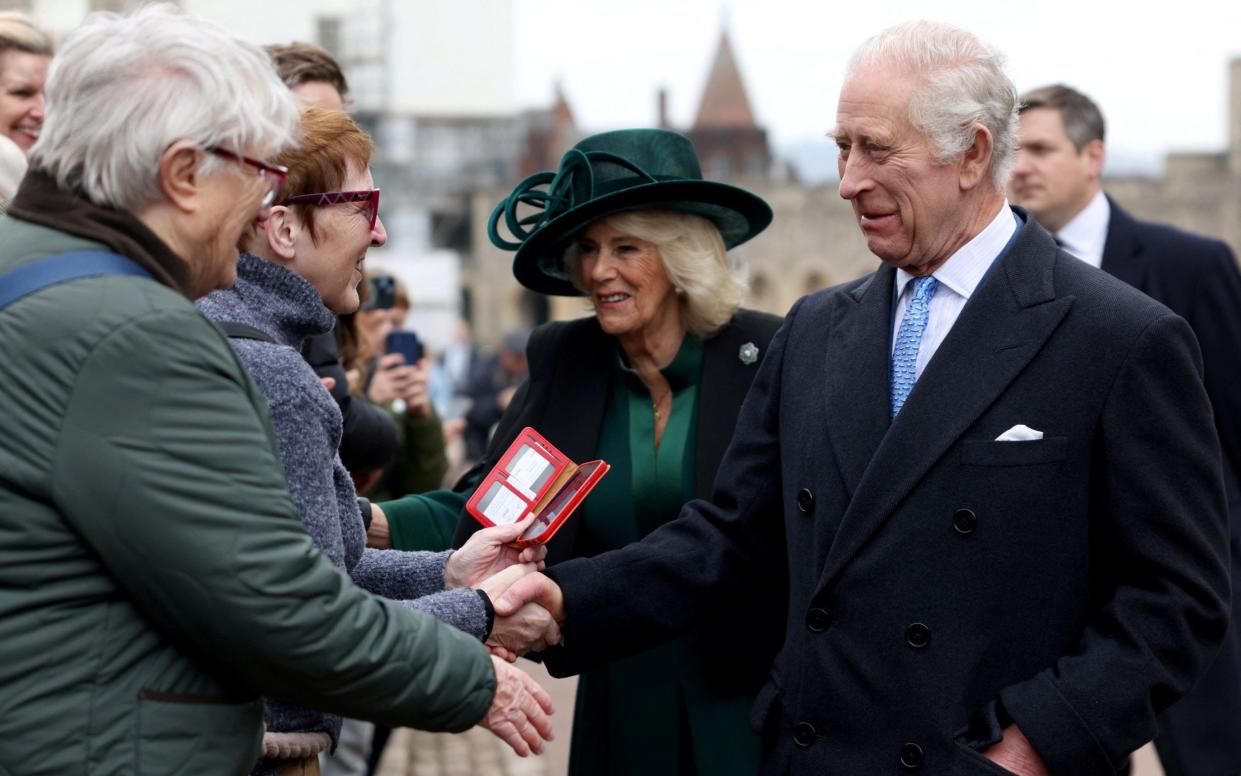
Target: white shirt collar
(964,270)
(1086,234)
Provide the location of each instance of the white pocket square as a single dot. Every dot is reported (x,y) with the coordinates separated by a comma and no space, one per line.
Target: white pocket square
(1019,433)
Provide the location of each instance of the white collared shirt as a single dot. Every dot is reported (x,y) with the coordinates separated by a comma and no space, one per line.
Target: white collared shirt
(1086,234)
(958,277)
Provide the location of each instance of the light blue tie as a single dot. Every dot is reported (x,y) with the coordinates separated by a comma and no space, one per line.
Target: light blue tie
(908,338)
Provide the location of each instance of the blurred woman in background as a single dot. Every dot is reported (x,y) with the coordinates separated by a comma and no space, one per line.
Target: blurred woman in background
(25,55)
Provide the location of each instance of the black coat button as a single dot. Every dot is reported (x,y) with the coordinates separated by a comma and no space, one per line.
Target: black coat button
(918,635)
(911,756)
(965,521)
(803,734)
(818,620)
(805,501)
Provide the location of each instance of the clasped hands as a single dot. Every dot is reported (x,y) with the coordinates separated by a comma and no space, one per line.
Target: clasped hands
(487,562)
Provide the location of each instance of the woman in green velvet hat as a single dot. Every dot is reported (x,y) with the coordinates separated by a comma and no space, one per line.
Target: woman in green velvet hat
(652,383)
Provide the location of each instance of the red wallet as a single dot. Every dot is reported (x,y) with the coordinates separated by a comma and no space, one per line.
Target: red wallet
(533,477)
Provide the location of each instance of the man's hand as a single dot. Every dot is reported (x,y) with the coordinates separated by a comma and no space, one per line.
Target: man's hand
(532,588)
(378,535)
(519,711)
(531,629)
(486,554)
(1015,753)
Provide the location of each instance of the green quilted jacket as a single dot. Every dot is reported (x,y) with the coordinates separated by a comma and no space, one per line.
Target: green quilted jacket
(154,578)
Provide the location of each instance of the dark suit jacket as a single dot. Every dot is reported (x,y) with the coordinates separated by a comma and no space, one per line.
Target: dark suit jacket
(565,399)
(942,583)
(1198,279)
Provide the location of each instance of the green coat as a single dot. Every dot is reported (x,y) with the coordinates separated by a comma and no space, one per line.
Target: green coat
(691,680)
(154,578)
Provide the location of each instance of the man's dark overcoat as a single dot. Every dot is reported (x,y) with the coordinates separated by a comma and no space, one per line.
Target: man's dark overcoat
(943,583)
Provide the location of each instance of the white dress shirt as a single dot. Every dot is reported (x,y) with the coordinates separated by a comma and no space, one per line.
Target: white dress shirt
(958,277)
(1086,234)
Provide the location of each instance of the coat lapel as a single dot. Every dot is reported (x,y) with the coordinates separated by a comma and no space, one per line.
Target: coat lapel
(1123,255)
(856,386)
(1003,327)
(725,381)
(578,393)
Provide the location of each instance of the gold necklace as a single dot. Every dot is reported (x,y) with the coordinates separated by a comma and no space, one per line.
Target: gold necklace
(655,404)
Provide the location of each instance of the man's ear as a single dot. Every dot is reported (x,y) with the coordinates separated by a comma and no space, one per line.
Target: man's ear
(280,229)
(1094,154)
(179,178)
(976,163)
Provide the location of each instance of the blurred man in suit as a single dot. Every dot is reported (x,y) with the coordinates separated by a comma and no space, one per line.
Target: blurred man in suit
(1057,178)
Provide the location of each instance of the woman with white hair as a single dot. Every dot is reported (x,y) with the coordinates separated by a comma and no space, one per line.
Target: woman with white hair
(154,577)
(652,383)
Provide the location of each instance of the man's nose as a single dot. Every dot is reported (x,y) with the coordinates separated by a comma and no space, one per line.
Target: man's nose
(1022,165)
(853,178)
(379,235)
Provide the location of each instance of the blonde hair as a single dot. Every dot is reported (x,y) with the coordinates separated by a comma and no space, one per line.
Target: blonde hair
(694,257)
(18,32)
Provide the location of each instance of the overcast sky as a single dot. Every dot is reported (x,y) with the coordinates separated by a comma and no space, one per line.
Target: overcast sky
(1157,69)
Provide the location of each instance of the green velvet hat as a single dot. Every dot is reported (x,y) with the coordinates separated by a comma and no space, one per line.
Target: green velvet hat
(629,169)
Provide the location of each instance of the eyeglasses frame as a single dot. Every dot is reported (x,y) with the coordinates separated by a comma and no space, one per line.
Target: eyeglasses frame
(325,198)
(277,172)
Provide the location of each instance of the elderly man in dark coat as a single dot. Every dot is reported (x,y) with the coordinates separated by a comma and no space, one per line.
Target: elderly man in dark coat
(991,470)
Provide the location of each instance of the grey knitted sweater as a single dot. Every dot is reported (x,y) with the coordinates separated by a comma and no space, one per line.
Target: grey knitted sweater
(307,423)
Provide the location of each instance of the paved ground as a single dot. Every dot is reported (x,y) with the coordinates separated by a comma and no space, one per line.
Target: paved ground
(478,753)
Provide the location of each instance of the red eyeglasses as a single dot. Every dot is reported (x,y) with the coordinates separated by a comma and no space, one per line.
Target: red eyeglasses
(271,174)
(370,197)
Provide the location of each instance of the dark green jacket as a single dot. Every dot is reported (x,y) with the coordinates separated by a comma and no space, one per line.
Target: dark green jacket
(154,578)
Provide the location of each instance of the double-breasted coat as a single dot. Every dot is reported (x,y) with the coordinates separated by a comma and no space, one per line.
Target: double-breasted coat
(941,583)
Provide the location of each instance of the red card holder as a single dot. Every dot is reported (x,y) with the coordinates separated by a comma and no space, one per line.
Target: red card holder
(533,477)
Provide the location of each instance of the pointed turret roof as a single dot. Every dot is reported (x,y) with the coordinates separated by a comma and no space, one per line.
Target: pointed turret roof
(724,100)
(560,107)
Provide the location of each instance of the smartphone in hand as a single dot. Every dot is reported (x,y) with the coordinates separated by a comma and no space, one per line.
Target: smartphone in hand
(407,344)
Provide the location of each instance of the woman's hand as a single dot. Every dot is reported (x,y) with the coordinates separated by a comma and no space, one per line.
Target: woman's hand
(378,534)
(487,553)
(520,710)
(392,379)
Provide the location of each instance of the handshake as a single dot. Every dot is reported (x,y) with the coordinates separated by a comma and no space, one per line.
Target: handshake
(528,612)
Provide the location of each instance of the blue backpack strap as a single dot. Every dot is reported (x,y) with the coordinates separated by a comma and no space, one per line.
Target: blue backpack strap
(61,268)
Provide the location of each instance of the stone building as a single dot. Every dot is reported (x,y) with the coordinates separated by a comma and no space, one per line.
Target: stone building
(814,241)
